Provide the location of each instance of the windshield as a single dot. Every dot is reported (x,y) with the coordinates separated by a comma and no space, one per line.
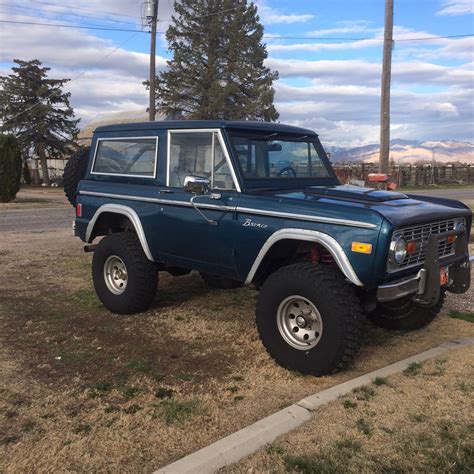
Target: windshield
(274,157)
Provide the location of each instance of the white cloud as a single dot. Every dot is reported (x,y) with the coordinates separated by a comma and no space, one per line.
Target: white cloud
(344,27)
(270,15)
(456,7)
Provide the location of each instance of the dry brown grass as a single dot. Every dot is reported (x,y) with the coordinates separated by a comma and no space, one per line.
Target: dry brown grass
(84,390)
(413,422)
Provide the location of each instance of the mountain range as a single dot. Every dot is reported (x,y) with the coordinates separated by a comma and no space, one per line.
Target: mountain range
(408,151)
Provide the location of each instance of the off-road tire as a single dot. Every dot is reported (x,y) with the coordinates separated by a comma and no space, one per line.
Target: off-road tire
(338,305)
(142,275)
(219,282)
(405,314)
(74,171)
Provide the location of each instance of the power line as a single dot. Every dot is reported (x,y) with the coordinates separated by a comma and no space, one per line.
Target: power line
(44,11)
(322,38)
(88,9)
(65,25)
(279,37)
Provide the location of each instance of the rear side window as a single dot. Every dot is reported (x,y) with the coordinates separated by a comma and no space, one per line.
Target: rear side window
(135,157)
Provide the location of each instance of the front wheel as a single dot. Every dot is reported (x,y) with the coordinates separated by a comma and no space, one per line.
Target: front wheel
(124,279)
(309,318)
(405,314)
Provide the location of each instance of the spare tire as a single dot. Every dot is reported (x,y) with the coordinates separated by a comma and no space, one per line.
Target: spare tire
(74,171)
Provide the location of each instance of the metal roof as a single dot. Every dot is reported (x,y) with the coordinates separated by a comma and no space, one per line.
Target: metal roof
(195,124)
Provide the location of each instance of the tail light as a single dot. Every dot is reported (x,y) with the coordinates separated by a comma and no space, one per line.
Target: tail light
(79,210)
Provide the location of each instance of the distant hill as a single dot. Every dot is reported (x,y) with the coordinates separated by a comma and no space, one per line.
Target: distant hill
(409,151)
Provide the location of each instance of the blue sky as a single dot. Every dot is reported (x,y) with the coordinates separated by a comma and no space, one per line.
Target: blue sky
(332,86)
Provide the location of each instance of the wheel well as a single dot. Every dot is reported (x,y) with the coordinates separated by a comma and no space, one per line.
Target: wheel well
(111,223)
(287,251)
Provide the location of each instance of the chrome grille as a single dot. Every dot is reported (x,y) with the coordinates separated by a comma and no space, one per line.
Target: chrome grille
(420,234)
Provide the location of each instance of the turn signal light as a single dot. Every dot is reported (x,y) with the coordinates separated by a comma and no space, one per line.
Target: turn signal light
(451,239)
(411,247)
(360,247)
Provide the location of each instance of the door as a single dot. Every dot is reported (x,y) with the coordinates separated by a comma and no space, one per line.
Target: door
(191,239)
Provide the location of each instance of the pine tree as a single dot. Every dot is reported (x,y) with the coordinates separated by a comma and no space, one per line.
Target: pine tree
(10,168)
(37,112)
(217,68)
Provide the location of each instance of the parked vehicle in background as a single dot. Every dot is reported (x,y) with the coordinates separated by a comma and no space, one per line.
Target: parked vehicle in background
(258,203)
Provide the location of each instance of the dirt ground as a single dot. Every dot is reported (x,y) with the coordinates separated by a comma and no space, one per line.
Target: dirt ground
(418,421)
(85,390)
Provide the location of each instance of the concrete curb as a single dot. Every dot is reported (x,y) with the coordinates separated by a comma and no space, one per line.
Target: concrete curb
(246,441)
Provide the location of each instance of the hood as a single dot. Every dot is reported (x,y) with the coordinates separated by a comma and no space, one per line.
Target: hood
(398,208)
(355,193)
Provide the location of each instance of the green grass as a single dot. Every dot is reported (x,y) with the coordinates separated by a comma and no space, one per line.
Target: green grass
(464,315)
(364,393)
(99,389)
(164,393)
(363,426)
(83,428)
(130,392)
(380,381)
(413,369)
(132,409)
(349,404)
(140,365)
(87,299)
(175,412)
(330,461)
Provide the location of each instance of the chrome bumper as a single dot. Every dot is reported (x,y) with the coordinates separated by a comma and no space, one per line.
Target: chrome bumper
(401,288)
(425,285)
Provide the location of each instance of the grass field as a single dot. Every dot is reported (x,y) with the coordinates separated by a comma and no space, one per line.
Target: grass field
(419,421)
(85,390)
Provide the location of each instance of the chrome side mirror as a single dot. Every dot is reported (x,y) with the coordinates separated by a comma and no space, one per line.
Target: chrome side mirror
(196,185)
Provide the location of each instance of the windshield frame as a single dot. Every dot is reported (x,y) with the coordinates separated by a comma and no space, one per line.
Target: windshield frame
(280,182)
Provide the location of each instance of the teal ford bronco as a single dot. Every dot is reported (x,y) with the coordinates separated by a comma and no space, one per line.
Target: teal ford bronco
(255,203)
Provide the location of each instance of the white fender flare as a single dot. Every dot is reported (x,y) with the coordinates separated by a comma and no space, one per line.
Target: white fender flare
(326,240)
(125,211)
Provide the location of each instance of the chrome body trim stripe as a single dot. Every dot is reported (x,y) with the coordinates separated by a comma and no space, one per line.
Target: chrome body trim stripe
(170,202)
(155,165)
(126,211)
(312,236)
(285,215)
(304,217)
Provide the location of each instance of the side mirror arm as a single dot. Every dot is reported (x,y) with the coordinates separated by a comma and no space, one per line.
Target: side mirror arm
(212,196)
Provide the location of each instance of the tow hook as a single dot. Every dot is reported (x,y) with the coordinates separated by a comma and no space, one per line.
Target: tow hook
(90,248)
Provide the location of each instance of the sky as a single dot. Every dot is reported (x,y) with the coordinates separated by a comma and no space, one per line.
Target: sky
(329,61)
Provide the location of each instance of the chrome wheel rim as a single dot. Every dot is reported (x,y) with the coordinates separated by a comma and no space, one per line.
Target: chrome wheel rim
(115,275)
(299,322)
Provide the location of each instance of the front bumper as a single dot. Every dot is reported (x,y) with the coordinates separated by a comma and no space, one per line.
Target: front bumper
(425,285)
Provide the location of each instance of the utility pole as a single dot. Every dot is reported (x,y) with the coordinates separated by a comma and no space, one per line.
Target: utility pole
(385,95)
(152,18)
(433,164)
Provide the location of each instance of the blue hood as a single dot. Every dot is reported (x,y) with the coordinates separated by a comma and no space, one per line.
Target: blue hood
(399,209)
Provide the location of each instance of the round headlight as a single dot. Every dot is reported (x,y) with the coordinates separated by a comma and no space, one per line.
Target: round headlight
(398,250)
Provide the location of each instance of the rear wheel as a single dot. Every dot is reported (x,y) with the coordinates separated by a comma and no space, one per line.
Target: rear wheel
(309,318)
(219,282)
(124,279)
(404,313)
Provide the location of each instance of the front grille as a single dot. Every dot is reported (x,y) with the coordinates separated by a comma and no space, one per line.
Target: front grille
(420,234)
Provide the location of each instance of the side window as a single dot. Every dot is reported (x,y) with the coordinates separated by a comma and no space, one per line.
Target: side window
(198,154)
(126,156)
